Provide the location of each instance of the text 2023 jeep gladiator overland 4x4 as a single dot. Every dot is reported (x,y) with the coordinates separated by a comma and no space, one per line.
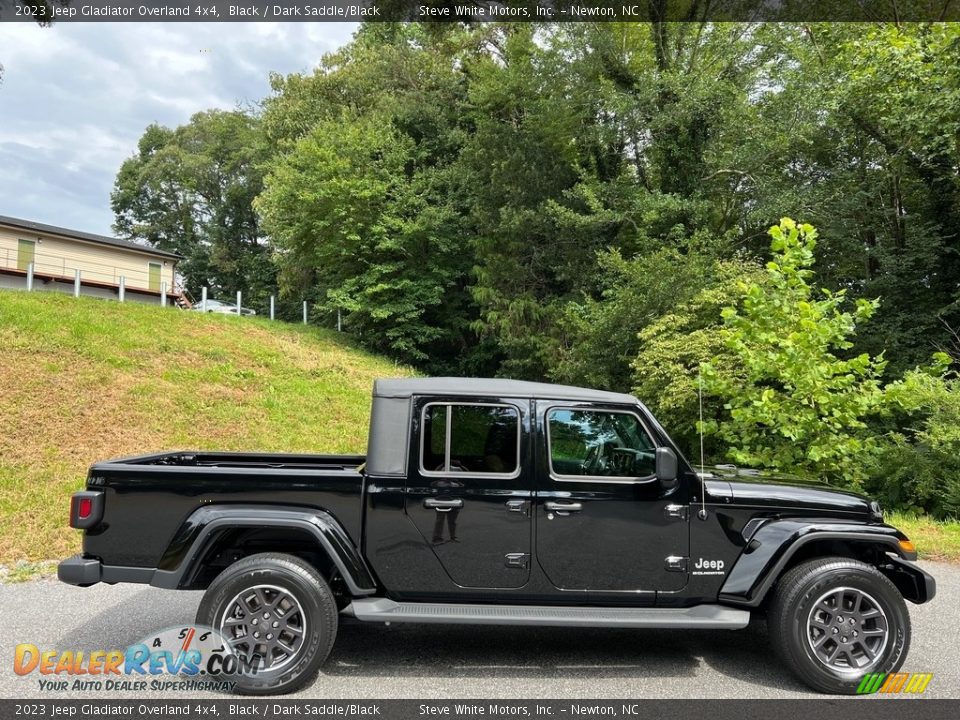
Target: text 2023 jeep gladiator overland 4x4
(501,502)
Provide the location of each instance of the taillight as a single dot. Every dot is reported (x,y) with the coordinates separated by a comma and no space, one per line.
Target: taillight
(86,509)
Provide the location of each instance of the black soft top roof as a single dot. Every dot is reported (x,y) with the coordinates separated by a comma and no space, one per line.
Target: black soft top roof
(493,387)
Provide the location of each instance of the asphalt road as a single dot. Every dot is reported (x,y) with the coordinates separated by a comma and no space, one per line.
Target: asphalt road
(431,661)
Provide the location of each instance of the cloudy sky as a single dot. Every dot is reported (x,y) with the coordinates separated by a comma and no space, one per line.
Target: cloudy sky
(76,97)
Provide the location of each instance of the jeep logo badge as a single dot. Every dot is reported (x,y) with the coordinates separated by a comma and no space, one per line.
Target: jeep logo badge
(707,567)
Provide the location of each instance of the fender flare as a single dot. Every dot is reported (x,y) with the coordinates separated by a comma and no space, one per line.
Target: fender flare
(204,525)
(770,547)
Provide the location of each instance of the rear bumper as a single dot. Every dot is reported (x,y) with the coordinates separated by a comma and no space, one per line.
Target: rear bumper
(86,571)
(79,570)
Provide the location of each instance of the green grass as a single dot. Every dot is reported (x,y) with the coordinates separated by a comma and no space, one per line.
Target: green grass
(24,571)
(83,380)
(935,539)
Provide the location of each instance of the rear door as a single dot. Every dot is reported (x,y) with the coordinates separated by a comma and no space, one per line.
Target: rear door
(604,522)
(469,489)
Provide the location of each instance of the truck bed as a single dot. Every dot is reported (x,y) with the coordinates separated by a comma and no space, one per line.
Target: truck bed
(276,461)
(148,497)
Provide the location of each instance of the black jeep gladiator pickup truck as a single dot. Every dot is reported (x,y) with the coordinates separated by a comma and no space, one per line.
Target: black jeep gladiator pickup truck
(501,502)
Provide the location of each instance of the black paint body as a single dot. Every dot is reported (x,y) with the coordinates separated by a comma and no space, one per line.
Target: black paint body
(729,533)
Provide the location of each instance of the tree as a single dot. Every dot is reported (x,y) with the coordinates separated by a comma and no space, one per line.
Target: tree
(856,131)
(151,203)
(676,342)
(798,405)
(601,336)
(589,137)
(518,172)
(359,200)
(918,466)
(530,171)
(190,190)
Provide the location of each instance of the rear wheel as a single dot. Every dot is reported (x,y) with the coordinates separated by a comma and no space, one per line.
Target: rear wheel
(279,617)
(833,620)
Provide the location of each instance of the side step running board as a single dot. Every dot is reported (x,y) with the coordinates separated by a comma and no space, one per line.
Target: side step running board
(700,616)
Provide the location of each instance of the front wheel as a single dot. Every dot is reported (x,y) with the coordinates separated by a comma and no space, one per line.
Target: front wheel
(278,616)
(834,620)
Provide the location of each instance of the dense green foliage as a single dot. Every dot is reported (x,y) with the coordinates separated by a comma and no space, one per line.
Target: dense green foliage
(674,348)
(360,203)
(191,191)
(575,202)
(794,403)
(918,469)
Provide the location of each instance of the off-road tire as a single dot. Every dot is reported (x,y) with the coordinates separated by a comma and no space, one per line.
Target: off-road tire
(303,583)
(792,607)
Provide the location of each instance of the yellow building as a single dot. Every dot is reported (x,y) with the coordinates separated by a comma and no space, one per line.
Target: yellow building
(103,263)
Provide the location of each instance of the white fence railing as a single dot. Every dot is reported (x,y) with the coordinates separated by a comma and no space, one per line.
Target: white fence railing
(65,270)
(91,271)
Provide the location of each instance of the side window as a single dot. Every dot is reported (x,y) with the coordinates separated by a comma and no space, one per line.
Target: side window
(596,443)
(434,438)
(483,439)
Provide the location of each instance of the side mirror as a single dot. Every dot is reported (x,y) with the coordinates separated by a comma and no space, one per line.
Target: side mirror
(666,467)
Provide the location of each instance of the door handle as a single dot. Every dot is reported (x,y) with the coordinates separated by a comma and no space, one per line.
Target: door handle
(676,511)
(563,508)
(517,506)
(443,505)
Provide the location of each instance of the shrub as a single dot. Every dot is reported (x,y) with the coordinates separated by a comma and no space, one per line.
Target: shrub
(918,467)
(674,346)
(599,336)
(794,403)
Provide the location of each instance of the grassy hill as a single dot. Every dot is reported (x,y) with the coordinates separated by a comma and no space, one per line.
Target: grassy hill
(84,380)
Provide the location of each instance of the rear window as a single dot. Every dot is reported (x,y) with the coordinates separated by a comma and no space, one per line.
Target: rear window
(483,439)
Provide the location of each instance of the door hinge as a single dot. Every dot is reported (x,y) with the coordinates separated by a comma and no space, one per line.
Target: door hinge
(675,563)
(676,511)
(516,560)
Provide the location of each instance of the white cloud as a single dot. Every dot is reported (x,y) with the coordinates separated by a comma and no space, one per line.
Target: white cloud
(76,97)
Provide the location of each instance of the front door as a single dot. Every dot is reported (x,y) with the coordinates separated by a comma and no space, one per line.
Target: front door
(26,250)
(469,491)
(153,278)
(604,522)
